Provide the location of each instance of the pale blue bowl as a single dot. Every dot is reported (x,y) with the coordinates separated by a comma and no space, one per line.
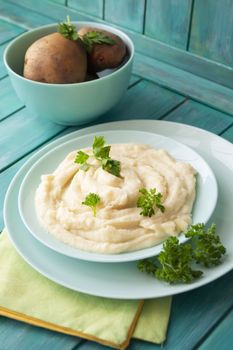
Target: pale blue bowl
(67,104)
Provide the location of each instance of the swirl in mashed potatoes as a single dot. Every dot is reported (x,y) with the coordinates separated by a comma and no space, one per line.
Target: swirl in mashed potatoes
(118,226)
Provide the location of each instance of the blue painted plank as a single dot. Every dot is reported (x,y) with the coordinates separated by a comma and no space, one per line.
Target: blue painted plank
(21,133)
(3,71)
(55,11)
(221,337)
(93,346)
(9,100)
(128,14)
(153,48)
(7,175)
(61,2)
(197,114)
(211,33)
(168,21)
(5,179)
(195,313)
(202,90)
(144,100)
(91,7)
(27,337)
(134,79)
(25,19)
(228,134)
(8,30)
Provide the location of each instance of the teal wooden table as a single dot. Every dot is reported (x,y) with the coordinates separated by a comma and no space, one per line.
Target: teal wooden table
(183,73)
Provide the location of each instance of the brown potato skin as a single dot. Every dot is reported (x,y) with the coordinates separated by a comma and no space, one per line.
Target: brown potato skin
(104,56)
(55,59)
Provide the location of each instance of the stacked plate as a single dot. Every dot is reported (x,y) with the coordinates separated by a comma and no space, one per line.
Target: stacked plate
(116,275)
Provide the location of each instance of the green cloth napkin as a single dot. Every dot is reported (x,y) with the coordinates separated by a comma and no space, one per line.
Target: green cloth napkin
(28,296)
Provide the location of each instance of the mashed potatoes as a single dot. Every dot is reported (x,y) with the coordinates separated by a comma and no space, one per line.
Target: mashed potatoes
(118,226)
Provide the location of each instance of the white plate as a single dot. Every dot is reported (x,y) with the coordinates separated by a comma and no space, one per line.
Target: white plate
(204,204)
(123,280)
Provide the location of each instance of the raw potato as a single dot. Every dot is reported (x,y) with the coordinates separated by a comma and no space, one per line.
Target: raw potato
(55,59)
(104,56)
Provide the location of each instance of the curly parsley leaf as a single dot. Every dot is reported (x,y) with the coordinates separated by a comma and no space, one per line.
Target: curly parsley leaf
(68,30)
(175,260)
(207,247)
(96,37)
(172,264)
(92,200)
(148,201)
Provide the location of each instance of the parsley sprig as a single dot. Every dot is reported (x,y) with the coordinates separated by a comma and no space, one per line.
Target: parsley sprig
(149,201)
(174,263)
(208,249)
(92,200)
(101,153)
(96,37)
(81,158)
(68,30)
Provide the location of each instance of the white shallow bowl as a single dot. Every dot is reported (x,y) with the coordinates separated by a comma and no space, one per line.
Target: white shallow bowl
(205,202)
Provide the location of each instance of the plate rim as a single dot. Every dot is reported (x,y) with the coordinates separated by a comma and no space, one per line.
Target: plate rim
(60,247)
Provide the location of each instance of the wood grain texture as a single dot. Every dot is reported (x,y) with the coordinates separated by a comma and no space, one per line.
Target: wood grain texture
(187,61)
(7,175)
(196,114)
(61,2)
(185,83)
(24,19)
(34,338)
(8,30)
(134,79)
(144,100)
(55,11)
(91,7)
(168,21)
(128,14)
(21,134)
(193,315)
(197,312)
(222,336)
(94,346)
(3,71)
(212,30)
(9,100)
(203,67)
(228,134)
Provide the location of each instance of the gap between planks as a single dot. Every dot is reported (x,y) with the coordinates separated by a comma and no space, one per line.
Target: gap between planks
(212,329)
